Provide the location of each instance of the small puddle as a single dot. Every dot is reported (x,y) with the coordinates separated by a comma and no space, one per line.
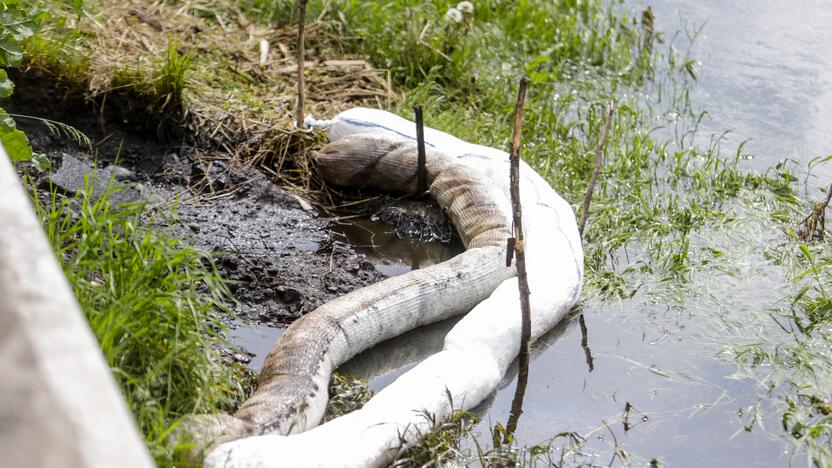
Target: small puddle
(391,255)
(256,339)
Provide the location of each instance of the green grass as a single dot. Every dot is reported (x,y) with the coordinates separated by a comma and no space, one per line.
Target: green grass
(165,88)
(154,304)
(579,57)
(346,394)
(798,370)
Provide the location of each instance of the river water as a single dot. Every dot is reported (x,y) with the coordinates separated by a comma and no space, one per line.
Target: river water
(764,73)
(641,374)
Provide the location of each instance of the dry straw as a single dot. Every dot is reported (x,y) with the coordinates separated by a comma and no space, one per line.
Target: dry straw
(204,61)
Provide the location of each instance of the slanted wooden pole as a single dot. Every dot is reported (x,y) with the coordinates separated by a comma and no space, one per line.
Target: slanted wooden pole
(421,171)
(599,157)
(516,243)
(299,112)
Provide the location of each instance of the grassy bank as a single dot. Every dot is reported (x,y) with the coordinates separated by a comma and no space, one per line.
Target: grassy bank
(154,304)
(668,217)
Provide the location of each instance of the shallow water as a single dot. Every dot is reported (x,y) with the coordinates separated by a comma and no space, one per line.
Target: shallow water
(389,254)
(257,340)
(683,401)
(764,73)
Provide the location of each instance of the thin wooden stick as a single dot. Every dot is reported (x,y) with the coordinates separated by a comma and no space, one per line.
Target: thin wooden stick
(301,52)
(516,208)
(516,244)
(421,170)
(599,156)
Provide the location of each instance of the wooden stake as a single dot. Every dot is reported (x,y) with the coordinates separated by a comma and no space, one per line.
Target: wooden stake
(599,156)
(301,53)
(516,208)
(421,170)
(516,243)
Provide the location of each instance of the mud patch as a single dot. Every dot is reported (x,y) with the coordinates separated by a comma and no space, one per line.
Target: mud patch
(281,259)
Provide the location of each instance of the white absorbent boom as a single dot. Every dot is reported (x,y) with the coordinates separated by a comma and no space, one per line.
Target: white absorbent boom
(374,149)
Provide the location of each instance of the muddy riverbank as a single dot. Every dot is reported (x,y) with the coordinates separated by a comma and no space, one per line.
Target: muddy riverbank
(282,256)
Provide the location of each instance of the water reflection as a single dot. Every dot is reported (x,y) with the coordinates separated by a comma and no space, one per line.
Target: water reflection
(519,396)
(258,340)
(390,254)
(585,343)
(764,74)
(381,364)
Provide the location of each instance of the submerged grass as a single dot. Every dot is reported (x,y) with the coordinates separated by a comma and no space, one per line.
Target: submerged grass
(154,304)
(798,370)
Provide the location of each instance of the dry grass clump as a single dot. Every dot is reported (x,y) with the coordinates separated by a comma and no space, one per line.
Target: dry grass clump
(204,64)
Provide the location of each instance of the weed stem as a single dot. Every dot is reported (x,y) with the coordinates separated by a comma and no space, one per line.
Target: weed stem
(301,53)
(599,156)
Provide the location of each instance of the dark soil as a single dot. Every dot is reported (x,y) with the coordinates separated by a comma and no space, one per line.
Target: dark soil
(282,260)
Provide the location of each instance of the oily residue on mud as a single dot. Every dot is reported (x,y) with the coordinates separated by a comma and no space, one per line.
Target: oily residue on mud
(282,258)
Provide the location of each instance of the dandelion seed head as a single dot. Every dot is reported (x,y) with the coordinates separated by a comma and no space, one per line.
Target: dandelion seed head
(466,7)
(454,15)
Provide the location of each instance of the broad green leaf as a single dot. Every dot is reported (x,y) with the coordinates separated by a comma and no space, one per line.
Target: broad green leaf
(16,25)
(6,121)
(10,53)
(16,144)
(41,162)
(15,141)
(6,85)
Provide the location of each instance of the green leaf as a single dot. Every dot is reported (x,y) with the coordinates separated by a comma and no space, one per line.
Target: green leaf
(6,121)
(10,53)
(6,85)
(15,141)
(16,144)
(16,24)
(41,162)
